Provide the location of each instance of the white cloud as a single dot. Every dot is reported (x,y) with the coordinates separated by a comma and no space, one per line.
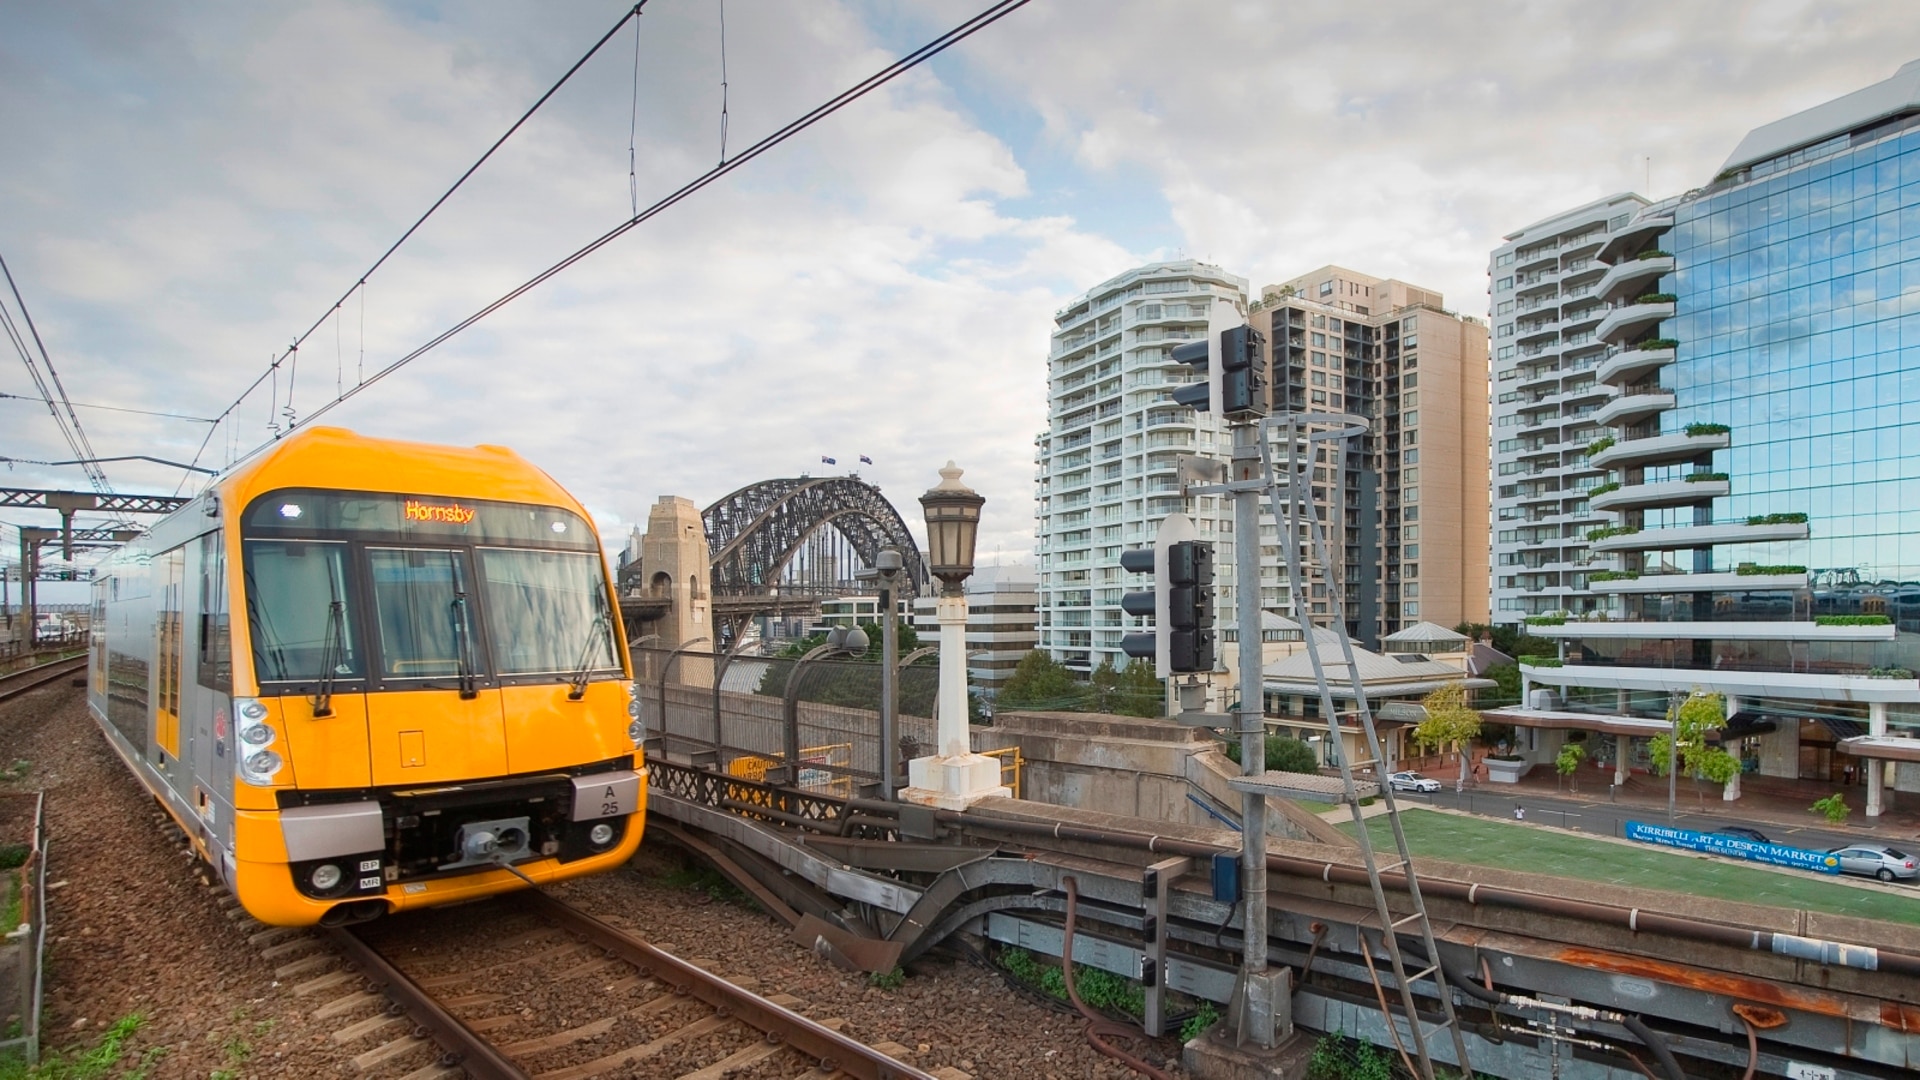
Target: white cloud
(195,184)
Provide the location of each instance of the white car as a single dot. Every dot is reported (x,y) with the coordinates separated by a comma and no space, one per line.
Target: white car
(1413,781)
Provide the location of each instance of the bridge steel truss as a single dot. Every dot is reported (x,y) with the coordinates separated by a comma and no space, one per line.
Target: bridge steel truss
(755,533)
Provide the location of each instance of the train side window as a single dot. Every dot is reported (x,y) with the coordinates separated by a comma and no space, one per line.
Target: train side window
(216,650)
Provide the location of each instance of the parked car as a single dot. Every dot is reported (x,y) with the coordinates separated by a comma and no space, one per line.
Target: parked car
(1741,832)
(1884,863)
(1413,781)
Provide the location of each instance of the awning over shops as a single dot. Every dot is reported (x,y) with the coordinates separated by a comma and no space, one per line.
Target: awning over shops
(1882,747)
(1747,722)
(1558,720)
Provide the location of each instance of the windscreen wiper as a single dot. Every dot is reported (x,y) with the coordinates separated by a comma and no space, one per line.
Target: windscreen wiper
(330,658)
(469,687)
(577,686)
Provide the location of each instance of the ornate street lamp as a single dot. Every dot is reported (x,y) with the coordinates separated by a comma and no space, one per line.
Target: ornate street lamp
(954,776)
(953,527)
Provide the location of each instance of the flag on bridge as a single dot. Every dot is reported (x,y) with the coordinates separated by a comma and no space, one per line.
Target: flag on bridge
(828,460)
(866,459)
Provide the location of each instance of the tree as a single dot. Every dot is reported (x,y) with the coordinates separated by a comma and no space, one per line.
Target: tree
(1694,720)
(1507,688)
(1449,720)
(1284,754)
(1569,762)
(1834,807)
(1512,640)
(1043,683)
(1132,691)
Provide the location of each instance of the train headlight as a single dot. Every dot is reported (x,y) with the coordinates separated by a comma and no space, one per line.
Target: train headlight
(259,767)
(601,835)
(637,732)
(250,709)
(633,708)
(256,734)
(325,877)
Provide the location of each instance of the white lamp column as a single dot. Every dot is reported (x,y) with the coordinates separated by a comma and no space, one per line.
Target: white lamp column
(954,777)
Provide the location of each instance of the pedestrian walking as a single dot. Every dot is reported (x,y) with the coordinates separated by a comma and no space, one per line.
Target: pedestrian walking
(1519,812)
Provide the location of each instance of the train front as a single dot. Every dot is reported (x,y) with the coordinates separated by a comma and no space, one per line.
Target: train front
(442,706)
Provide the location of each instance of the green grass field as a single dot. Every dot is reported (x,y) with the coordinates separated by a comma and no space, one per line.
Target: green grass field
(1512,846)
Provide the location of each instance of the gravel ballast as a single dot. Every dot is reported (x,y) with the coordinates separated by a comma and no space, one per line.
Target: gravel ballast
(137,930)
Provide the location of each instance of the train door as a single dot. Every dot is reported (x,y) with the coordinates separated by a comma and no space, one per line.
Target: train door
(170,571)
(206,728)
(430,721)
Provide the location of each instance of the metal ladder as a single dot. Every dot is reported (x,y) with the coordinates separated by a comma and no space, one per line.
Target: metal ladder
(1332,430)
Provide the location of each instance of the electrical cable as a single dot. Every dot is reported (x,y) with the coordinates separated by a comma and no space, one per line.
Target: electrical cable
(846,97)
(633,13)
(723,82)
(70,428)
(120,408)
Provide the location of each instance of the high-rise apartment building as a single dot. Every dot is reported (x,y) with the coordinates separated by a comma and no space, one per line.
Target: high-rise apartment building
(1547,302)
(1757,529)
(1412,527)
(1406,506)
(1105,475)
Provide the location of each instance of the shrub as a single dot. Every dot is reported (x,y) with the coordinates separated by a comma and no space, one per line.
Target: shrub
(1602,489)
(1614,575)
(1599,444)
(1655,298)
(1547,620)
(1834,807)
(1610,530)
(1763,570)
(1283,755)
(1851,620)
(1889,673)
(1654,253)
(1709,429)
(1699,477)
(1541,661)
(1203,1018)
(1777,519)
(1655,344)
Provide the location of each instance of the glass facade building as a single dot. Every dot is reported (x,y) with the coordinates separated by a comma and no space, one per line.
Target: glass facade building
(1762,457)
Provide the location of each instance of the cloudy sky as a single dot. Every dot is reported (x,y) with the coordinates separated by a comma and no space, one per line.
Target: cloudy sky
(185,187)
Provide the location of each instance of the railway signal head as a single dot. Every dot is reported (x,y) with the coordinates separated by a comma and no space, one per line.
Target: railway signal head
(1180,601)
(1243,383)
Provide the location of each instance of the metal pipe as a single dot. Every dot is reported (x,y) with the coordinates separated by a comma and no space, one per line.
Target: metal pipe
(1828,952)
(1252,715)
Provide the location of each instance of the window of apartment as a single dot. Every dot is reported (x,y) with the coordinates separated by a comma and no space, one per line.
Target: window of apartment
(1412,437)
(1411,551)
(1334,325)
(1410,609)
(1410,570)
(1505,353)
(1409,381)
(1409,341)
(1505,308)
(1326,288)
(1319,378)
(1408,363)
(1412,476)
(1152,311)
(1318,359)
(1319,397)
(1319,322)
(1409,457)
(1319,341)
(1503,260)
(1334,361)
(1411,532)
(1506,330)
(1409,419)
(1410,399)
(1412,514)
(1503,284)
(1412,588)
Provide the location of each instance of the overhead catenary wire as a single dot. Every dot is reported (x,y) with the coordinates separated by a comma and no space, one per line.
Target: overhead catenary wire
(273,366)
(978,22)
(69,424)
(120,409)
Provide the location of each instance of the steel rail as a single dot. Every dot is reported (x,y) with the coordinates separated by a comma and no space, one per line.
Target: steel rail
(467,1047)
(829,1048)
(39,675)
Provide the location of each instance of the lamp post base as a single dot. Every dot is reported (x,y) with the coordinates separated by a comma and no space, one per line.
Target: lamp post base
(953,783)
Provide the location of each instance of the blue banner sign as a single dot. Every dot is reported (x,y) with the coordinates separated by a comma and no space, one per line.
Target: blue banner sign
(1733,847)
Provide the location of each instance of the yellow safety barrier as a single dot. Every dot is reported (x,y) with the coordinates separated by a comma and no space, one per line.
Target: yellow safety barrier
(1011,764)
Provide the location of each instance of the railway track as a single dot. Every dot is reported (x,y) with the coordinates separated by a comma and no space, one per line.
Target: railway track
(39,675)
(530,987)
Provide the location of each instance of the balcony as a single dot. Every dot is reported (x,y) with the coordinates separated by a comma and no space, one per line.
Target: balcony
(1634,277)
(1660,449)
(1666,493)
(1711,630)
(1698,536)
(1632,406)
(1635,235)
(1691,583)
(1630,320)
(1628,365)
(1771,683)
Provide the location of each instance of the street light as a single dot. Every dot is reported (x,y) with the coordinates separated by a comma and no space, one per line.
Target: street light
(954,776)
(953,528)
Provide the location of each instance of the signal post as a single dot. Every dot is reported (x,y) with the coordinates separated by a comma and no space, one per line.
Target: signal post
(1181,604)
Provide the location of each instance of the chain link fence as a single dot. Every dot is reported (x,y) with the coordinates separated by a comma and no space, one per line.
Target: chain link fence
(740,713)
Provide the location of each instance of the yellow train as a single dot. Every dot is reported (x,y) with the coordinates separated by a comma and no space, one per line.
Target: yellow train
(366,675)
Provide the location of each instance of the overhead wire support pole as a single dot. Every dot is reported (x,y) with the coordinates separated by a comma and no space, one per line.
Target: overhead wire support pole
(1253,731)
